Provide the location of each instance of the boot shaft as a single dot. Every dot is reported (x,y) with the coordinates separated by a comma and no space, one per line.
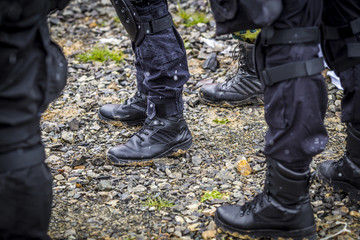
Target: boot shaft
(246,58)
(282,210)
(353,144)
(286,186)
(249,58)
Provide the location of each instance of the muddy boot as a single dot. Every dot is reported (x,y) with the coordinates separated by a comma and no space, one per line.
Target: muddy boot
(242,89)
(282,210)
(131,112)
(159,137)
(344,174)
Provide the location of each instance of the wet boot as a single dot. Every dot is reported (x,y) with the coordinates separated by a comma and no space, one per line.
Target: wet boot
(159,137)
(344,174)
(282,210)
(131,112)
(242,89)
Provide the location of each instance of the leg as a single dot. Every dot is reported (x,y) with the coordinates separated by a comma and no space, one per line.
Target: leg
(345,173)
(25,199)
(34,71)
(294,111)
(162,71)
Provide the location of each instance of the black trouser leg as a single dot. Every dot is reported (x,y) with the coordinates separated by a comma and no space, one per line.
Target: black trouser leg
(25,200)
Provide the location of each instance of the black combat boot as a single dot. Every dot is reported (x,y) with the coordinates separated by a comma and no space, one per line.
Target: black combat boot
(131,112)
(283,209)
(344,174)
(241,89)
(159,137)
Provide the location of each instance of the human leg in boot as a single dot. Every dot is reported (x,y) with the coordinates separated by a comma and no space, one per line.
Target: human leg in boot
(344,174)
(295,102)
(283,209)
(241,89)
(161,59)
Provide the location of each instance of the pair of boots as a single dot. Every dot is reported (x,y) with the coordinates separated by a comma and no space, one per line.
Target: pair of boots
(241,89)
(283,209)
(159,136)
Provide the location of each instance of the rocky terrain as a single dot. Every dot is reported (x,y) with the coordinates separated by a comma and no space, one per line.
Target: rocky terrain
(176,197)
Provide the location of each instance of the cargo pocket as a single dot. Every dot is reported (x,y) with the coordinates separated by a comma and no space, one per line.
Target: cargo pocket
(161,48)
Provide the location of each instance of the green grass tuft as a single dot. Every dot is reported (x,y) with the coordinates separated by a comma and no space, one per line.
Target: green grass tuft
(214,194)
(221,121)
(100,55)
(158,203)
(191,19)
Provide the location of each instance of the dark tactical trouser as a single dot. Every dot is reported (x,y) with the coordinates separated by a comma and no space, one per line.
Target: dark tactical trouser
(25,202)
(161,63)
(295,108)
(339,14)
(33,71)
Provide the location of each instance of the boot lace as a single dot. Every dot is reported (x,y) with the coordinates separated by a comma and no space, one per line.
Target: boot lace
(338,163)
(251,205)
(147,129)
(239,56)
(260,198)
(134,99)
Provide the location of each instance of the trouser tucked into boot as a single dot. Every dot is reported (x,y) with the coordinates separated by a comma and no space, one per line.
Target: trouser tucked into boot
(283,209)
(161,67)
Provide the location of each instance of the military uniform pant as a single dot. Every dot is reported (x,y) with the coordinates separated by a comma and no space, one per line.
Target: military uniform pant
(294,108)
(161,63)
(25,203)
(33,71)
(337,14)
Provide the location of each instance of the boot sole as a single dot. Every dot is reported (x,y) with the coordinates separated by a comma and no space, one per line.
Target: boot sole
(231,104)
(120,123)
(175,151)
(353,193)
(299,234)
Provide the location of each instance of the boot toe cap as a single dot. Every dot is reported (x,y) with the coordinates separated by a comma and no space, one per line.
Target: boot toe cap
(226,215)
(122,155)
(324,169)
(107,110)
(209,92)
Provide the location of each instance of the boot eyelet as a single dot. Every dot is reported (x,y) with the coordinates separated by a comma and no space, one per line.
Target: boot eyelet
(248,213)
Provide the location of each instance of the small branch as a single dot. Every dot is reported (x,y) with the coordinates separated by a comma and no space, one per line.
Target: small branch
(338,233)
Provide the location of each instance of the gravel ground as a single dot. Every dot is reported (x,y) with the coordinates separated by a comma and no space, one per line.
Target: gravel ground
(95,200)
